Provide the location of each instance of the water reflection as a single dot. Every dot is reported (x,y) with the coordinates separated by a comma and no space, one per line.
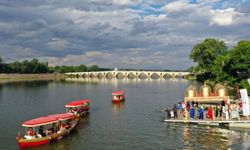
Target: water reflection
(117,108)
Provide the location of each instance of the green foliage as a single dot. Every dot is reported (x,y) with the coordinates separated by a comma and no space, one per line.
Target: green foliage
(205,54)
(80,68)
(216,64)
(33,66)
(93,68)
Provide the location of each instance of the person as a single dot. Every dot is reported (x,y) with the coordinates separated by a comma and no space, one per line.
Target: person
(179,107)
(210,113)
(41,131)
(168,113)
(216,111)
(201,113)
(62,128)
(54,128)
(175,112)
(183,108)
(172,114)
(30,132)
(192,112)
(67,125)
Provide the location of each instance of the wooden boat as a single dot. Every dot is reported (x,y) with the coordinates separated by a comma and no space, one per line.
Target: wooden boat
(118,96)
(79,107)
(51,128)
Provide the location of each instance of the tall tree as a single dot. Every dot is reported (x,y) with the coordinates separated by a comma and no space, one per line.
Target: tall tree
(238,66)
(205,54)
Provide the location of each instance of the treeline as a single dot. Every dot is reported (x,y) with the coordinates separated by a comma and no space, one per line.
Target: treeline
(80,68)
(34,66)
(216,63)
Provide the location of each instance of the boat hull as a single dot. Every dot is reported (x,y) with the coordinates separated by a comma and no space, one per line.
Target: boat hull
(117,101)
(24,143)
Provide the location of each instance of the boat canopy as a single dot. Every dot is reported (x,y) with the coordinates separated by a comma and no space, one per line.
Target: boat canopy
(77,103)
(121,92)
(48,119)
(64,116)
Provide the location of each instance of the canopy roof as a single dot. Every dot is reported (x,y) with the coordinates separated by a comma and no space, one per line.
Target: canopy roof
(48,119)
(77,103)
(121,92)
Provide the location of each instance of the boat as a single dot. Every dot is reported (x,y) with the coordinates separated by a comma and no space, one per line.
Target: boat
(47,129)
(118,96)
(215,108)
(79,107)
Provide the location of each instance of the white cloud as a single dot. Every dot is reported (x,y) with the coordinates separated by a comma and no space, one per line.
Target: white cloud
(123,2)
(100,32)
(223,17)
(178,6)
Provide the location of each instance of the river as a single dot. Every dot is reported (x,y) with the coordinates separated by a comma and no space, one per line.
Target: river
(136,124)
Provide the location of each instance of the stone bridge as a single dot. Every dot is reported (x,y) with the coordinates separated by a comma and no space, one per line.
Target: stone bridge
(128,74)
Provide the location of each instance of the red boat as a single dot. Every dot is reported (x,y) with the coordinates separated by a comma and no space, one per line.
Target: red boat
(43,130)
(79,107)
(118,96)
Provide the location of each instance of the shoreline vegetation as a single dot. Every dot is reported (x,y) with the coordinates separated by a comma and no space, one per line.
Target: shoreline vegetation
(15,77)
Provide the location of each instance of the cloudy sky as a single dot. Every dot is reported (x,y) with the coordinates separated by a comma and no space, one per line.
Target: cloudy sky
(142,34)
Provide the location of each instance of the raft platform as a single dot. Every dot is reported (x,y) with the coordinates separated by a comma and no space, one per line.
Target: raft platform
(230,124)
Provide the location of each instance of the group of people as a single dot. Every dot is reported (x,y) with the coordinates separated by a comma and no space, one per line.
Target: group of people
(55,128)
(194,110)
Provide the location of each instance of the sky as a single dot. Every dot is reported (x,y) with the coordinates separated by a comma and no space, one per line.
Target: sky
(138,34)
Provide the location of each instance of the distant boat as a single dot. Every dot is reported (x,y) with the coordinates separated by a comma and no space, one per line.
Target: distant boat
(118,96)
(79,107)
(46,129)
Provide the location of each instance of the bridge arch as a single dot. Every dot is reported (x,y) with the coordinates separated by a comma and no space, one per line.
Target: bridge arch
(167,75)
(131,75)
(155,76)
(120,75)
(100,76)
(109,75)
(142,75)
(91,75)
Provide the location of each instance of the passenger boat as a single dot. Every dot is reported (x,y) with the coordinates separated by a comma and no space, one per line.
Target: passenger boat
(118,96)
(79,107)
(46,129)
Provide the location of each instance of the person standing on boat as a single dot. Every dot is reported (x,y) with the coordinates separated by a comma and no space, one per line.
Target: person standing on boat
(175,112)
(216,110)
(179,107)
(192,112)
(41,131)
(183,109)
(168,113)
(201,113)
(210,113)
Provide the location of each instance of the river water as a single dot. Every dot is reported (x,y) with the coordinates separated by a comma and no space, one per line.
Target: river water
(136,124)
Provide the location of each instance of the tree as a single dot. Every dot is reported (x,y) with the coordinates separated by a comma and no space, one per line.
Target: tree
(93,68)
(205,54)
(238,66)
(81,68)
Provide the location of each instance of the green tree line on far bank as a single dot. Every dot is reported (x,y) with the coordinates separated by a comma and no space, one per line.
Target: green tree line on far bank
(216,63)
(34,66)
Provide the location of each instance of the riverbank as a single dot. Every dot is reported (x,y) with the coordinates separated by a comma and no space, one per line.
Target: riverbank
(29,77)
